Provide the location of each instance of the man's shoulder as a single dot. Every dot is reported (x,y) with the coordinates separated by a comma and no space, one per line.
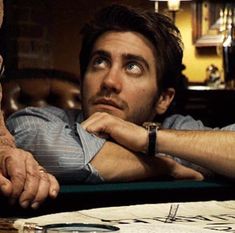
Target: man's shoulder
(46,113)
(187,122)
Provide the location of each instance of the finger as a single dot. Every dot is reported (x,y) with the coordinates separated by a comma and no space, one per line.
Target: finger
(182,172)
(13,164)
(5,186)
(43,189)
(31,182)
(98,123)
(54,186)
(96,117)
(125,133)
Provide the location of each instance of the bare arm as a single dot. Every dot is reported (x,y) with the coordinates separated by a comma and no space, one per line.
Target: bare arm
(115,163)
(211,149)
(214,150)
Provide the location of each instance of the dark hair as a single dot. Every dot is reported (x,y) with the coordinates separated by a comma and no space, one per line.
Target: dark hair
(157,28)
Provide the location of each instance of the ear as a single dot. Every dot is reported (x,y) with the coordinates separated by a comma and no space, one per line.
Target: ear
(164,101)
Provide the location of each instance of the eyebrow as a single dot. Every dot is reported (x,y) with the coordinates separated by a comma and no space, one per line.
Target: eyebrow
(136,58)
(102,53)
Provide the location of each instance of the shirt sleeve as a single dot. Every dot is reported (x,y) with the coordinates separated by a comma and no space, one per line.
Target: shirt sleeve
(63,148)
(180,122)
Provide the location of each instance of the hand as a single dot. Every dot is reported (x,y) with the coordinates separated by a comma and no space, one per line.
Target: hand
(131,136)
(6,139)
(21,177)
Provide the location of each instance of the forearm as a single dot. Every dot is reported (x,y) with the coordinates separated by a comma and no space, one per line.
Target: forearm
(115,163)
(214,150)
(210,149)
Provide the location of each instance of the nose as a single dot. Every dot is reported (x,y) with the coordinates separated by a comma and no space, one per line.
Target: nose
(112,80)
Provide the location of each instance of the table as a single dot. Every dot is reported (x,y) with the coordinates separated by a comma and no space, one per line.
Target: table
(81,196)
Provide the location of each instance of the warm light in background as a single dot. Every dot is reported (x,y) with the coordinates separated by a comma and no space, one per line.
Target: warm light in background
(195,62)
(173,5)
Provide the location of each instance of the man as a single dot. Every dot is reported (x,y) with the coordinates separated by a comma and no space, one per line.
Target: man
(129,62)
(21,177)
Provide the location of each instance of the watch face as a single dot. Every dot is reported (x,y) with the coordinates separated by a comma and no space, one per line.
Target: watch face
(151,125)
(79,227)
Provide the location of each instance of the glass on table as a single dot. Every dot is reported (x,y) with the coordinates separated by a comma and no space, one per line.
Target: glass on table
(70,228)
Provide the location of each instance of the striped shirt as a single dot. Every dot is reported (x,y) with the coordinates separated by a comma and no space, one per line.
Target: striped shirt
(58,142)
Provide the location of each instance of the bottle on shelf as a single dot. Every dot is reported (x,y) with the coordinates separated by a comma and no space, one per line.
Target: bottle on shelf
(228,48)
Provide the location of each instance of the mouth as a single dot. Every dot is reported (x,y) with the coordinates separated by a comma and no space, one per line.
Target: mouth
(107,102)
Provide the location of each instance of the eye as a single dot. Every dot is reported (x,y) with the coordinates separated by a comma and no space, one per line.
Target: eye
(134,68)
(99,63)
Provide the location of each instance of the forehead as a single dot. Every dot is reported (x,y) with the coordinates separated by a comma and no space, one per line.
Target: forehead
(120,43)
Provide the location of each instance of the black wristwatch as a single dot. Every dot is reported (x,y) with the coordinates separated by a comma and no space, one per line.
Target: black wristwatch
(152,128)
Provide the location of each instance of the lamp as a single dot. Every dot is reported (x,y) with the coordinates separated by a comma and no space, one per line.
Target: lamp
(173,7)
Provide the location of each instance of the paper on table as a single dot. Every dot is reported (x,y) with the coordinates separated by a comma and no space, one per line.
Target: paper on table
(160,227)
(203,216)
(161,210)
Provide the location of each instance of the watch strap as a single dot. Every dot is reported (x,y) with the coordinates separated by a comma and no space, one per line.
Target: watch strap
(152,128)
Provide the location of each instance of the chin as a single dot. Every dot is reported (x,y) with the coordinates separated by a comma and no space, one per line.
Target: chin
(112,111)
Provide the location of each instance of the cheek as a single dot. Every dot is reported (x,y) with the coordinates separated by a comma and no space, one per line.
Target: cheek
(143,94)
(146,97)
(90,86)
(140,99)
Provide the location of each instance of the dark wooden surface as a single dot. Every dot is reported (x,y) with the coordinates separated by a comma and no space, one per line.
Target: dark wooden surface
(215,107)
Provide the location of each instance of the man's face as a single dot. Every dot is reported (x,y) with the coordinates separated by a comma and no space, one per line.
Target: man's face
(121,78)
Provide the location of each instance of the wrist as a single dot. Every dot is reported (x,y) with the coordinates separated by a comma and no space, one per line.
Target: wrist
(152,128)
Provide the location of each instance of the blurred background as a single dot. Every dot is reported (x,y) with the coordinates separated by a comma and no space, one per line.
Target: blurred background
(45,33)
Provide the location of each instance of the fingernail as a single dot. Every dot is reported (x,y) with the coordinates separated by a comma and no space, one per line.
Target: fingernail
(35,205)
(3,188)
(24,204)
(54,193)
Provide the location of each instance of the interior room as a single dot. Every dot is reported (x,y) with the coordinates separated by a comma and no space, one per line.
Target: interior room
(46,35)
(40,42)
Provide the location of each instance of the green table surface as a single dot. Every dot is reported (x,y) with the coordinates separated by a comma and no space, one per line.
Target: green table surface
(75,197)
(147,186)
